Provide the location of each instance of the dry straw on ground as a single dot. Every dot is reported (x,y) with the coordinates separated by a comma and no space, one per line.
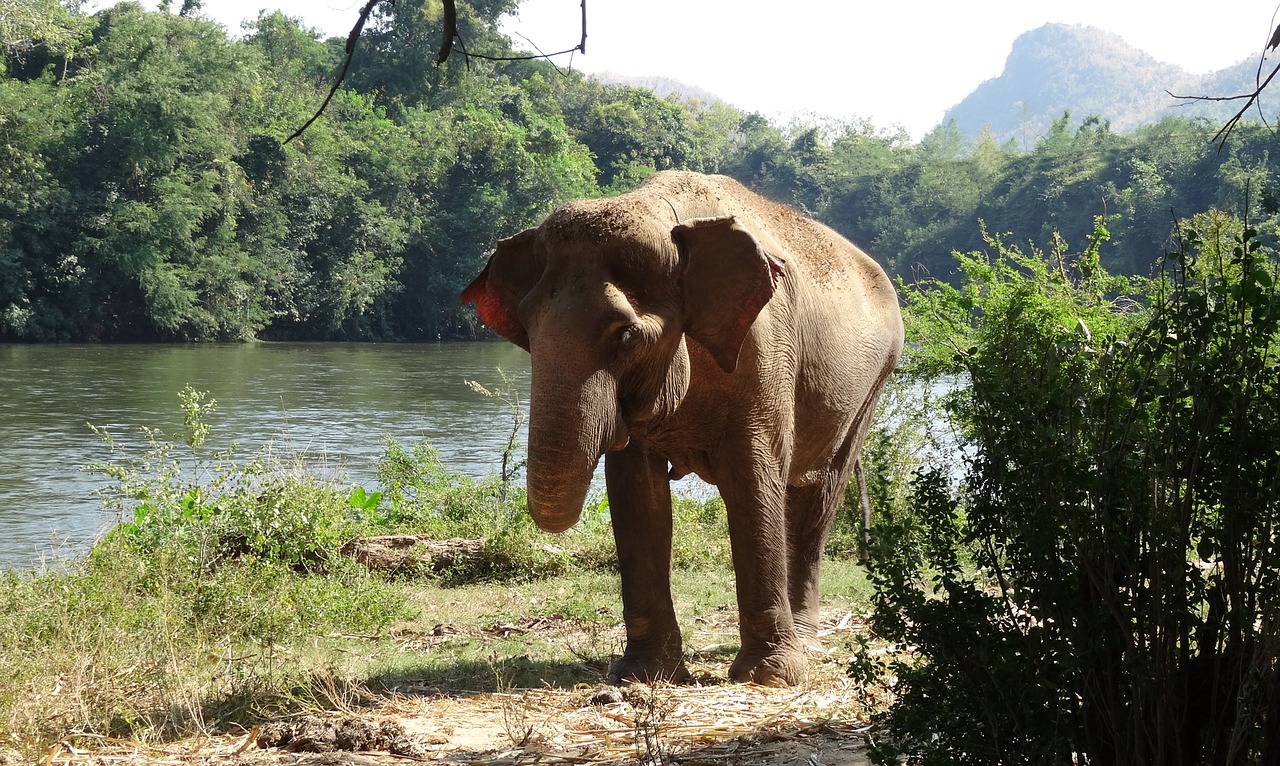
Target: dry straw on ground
(709,722)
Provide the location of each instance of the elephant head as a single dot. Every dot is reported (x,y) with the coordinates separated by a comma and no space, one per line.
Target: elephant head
(603,295)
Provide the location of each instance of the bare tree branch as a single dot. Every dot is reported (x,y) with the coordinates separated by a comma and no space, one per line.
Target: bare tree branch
(342,75)
(450,31)
(446,48)
(1250,99)
(447,45)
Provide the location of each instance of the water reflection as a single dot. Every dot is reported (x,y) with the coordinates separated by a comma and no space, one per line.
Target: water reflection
(339,401)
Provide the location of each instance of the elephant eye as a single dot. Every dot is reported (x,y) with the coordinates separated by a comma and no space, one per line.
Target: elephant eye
(628,334)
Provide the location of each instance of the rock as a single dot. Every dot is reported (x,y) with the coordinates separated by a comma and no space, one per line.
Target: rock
(410,554)
(609,695)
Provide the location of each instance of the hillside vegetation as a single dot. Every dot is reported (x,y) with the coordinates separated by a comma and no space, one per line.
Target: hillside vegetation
(146,192)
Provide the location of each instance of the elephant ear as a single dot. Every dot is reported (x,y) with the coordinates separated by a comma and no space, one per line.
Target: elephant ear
(512,271)
(728,278)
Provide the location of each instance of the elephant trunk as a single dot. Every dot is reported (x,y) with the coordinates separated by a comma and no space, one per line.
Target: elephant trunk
(570,426)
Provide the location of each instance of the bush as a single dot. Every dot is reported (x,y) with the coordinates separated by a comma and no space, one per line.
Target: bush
(1100,569)
(209,509)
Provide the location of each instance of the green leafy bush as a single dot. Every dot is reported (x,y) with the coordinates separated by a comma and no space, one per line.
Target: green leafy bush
(1096,581)
(209,509)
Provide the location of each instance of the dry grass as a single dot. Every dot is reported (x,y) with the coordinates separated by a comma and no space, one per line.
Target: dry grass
(710,721)
(482,673)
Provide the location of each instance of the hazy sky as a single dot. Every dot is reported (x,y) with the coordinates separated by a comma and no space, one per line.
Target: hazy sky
(895,62)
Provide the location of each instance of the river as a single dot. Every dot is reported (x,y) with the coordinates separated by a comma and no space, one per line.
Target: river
(335,402)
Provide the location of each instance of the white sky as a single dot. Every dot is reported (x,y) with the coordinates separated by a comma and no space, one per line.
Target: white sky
(894,62)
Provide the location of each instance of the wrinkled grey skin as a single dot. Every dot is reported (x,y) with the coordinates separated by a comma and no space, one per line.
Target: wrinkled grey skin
(692,326)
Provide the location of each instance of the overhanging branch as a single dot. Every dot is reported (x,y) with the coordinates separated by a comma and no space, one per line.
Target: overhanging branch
(1250,99)
(352,39)
(451,33)
(446,49)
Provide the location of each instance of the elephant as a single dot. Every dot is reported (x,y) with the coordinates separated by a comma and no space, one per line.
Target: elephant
(692,326)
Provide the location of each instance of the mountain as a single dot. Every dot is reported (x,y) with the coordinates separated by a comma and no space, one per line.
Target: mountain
(663,86)
(1085,70)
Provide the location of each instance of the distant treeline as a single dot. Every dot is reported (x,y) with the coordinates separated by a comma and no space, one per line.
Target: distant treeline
(146,194)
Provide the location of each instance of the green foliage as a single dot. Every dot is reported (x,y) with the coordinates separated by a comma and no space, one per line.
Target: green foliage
(700,534)
(1095,581)
(207,510)
(146,194)
(422,495)
(37,28)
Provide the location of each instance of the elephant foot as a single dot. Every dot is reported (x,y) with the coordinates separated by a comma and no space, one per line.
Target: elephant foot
(813,646)
(777,668)
(629,668)
(807,635)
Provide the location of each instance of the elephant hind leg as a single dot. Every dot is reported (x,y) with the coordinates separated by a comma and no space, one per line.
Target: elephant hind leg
(810,512)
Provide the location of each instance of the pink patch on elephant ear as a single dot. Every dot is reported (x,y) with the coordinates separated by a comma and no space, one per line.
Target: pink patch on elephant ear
(492,310)
(510,273)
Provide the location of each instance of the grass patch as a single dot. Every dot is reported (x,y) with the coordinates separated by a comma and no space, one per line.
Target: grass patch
(221,601)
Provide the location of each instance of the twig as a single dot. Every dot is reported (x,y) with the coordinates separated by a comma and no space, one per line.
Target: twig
(1250,98)
(342,75)
(447,44)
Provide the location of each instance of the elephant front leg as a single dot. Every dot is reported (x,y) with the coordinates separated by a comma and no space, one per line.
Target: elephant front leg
(640,507)
(771,652)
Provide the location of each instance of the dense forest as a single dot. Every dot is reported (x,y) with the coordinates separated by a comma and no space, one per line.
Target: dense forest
(146,192)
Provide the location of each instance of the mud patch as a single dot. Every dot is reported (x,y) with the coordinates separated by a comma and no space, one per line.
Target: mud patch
(312,734)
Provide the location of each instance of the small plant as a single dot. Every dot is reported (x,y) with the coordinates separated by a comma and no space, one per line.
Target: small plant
(364,501)
(869,671)
(214,508)
(651,710)
(196,408)
(510,399)
(518,722)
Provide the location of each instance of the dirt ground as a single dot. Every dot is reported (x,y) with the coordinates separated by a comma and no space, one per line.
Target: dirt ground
(710,722)
(530,726)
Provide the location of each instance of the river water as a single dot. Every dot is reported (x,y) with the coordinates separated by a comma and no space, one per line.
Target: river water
(335,402)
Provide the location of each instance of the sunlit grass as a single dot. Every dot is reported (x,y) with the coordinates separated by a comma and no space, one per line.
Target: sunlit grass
(222,601)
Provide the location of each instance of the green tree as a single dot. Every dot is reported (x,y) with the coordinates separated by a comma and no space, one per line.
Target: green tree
(30,25)
(396,58)
(494,169)
(632,133)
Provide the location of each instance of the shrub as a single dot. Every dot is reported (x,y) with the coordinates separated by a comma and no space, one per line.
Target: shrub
(1100,571)
(211,508)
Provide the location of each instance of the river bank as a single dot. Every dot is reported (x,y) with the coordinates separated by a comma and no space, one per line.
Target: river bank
(332,404)
(225,604)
